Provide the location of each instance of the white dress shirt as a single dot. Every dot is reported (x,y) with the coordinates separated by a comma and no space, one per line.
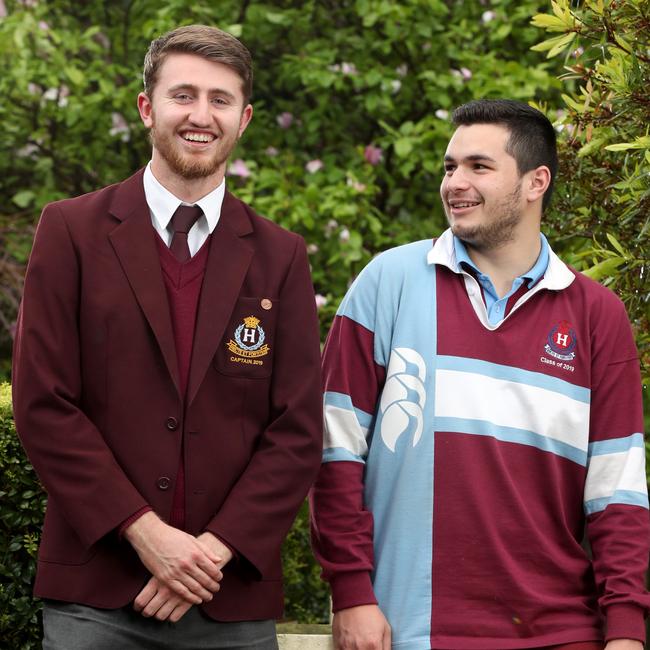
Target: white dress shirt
(162,205)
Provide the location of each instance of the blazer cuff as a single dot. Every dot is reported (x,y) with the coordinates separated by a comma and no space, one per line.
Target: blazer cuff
(121,529)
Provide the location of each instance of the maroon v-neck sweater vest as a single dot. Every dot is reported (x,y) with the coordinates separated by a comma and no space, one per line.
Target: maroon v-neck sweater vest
(183,282)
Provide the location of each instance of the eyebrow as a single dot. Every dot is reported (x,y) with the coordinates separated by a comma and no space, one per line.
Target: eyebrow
(212,91)
(471,158)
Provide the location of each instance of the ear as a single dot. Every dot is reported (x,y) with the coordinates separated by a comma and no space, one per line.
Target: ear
(537,182)
(145,108)
(244,120)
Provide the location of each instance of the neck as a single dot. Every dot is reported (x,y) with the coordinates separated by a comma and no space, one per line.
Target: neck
(506,262)
(188,190)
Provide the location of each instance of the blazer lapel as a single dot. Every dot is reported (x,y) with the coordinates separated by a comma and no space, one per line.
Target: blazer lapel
(135,246)
(228,260)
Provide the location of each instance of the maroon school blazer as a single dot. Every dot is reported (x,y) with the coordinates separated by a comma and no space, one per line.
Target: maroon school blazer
(98,409)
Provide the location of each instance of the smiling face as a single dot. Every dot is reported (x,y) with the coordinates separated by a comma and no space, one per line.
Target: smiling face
(195,115)
(485,198)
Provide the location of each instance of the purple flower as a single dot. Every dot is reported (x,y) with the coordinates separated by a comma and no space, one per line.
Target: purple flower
(238,168)
(314,165)
(285,120)
(372,154)
(348,69)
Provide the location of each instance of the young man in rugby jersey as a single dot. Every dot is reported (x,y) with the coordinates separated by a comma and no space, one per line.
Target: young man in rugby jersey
(483,417)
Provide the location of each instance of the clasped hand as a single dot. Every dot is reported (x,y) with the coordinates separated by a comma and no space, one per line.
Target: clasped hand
(185,570)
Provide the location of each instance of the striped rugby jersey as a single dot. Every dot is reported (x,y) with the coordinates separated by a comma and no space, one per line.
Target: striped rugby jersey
(462,461)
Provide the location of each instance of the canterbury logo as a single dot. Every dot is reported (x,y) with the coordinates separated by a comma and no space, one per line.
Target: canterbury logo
(403,398)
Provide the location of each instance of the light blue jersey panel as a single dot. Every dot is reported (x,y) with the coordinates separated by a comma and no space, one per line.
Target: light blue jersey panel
(399,471)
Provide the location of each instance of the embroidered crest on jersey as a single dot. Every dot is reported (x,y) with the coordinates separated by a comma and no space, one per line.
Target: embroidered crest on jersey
(248,341)
(561,341)
(403,397)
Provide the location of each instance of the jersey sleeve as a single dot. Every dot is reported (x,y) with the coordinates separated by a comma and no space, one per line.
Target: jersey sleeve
(353,375)
(615,496)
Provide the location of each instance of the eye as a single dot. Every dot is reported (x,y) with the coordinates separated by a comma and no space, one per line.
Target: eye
(449,168)
(182,97)
(220,101)
(480,166)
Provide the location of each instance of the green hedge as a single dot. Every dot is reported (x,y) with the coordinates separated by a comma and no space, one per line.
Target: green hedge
(21,514)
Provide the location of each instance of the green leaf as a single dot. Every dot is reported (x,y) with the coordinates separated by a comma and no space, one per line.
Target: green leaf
(604,269)
(403,147)
(23,198)
(615,243)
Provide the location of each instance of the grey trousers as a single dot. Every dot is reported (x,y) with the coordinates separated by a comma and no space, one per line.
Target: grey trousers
(68,626)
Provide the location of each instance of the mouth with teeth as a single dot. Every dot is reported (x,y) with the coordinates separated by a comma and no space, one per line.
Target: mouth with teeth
(459,206)
(195,136)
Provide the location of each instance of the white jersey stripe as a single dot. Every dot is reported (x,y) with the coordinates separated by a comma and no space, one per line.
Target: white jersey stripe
(610,474)
(549,414)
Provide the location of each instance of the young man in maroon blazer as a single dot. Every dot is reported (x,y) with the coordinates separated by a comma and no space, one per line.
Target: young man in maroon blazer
(166,381)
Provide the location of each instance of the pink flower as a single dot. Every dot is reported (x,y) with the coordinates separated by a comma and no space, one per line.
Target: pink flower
(442,114)
(3,9)
(359,187)
(314,165)
(271,152)
(402,70)
(488,16)
(312,248)
(321,301)
(466,73)
(43,25)
(238,168)
(348,69)
(372,154)
(344,235)
(285,120)
(119,126)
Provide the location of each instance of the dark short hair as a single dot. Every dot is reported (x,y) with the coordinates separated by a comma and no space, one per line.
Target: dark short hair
(532,140)
(207,42)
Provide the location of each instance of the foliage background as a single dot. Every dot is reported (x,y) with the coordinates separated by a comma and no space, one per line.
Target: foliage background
(351,120)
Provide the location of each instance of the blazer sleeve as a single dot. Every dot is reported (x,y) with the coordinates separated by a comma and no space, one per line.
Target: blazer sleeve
(67,450)
(265,499)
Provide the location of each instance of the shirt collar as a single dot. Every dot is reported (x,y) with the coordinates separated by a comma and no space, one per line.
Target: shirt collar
(533,275)
(163,203)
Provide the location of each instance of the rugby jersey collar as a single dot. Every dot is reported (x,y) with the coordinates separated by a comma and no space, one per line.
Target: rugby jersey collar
(557,276)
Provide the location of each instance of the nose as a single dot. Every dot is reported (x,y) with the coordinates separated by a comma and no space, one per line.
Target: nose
(201,114)
(455,180)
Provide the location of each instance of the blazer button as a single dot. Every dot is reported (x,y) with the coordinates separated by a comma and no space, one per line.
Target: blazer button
(171,424)
(164,482)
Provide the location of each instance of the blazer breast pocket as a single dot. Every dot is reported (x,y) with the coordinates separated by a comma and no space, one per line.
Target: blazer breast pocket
(246,349)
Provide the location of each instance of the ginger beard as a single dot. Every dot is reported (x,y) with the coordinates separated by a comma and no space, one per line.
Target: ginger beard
(501,218)
(186,164)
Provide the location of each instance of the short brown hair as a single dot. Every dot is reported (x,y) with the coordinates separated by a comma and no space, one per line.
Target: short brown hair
(208,42)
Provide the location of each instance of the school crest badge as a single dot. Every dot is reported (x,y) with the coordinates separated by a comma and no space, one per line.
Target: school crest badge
(248,342)
(561,341)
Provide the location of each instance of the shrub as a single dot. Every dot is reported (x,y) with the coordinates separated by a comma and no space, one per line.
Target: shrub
(21,516)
